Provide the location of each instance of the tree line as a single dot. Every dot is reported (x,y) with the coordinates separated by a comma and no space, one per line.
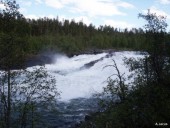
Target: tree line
(73,37)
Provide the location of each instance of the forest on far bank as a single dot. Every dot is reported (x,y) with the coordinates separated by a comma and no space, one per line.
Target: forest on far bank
(73,37)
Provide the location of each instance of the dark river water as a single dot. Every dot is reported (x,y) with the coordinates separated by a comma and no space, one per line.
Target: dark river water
(69,114)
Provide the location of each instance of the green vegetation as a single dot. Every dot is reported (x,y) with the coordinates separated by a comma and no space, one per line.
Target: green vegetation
(21,91)
(72,37)
(147,103)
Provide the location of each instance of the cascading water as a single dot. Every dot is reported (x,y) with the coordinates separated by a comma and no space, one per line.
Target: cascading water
(83,75)
(78,78)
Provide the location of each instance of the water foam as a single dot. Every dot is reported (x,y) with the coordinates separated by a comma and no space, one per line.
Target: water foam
(75,83)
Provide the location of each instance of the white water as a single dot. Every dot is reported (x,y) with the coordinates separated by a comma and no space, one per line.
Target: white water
(74,82)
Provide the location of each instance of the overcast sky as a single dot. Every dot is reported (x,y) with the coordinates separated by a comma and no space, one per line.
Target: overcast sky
(117,13)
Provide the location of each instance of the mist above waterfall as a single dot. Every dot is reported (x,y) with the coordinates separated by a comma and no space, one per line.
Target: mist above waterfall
(83,75)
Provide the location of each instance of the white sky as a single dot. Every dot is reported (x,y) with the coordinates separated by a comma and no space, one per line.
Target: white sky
(117,13)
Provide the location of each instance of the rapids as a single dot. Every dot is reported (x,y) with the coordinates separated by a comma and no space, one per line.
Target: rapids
(78,78)
(83,75)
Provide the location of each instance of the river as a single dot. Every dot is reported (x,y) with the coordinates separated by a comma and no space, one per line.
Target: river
(78,79)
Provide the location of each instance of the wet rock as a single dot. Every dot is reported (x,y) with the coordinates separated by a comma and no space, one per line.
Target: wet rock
(92,63)
(87,117)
